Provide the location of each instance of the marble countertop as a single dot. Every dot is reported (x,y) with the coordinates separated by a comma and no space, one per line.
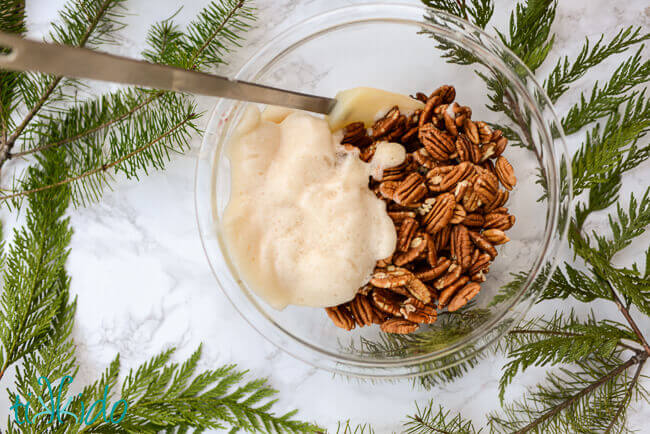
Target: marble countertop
(143,283)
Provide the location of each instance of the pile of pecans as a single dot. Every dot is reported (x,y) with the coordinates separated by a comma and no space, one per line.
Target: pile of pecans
(448,209)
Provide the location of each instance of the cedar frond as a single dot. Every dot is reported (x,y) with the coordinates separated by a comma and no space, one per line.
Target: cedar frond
(477,12)
(347,428)
(564,338)
(566,72)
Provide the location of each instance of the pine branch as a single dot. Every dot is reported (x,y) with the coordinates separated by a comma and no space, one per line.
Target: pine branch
(566,72)
(12,20)
(347,428)
(85,23)
(431,420)
(177,133)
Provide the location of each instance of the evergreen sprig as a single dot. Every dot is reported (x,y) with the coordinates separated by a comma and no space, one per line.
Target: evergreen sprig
(434,419)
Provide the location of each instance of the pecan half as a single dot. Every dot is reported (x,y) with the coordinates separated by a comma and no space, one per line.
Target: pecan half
(467,151)
(361,308)
(384,125)
(484,132)
(386,301)
(432,251)
(445,178)
(459,214)
(400,216)
(433,273)
(471,131)
(474,220)
(447,93)
(481,264)
(440,213)
(499,200)
(499,221)
(405,234)
(505,173)
(449,291)
(410,190)
(390,277)
(483,244)
(387,189)
(355,135)
(419,290)
(438,143)
(430,105)
(417,312)
(416,247)
(442,238)
(341,317)
(471,200)
(422,157)
(453,274)
(464,295)
(368,152)
(399,326)
(461,246)
(495,236)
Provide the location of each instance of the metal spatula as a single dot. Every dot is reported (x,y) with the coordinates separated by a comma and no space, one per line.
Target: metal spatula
(27,55)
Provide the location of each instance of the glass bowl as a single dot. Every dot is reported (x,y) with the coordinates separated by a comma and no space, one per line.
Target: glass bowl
(403,49)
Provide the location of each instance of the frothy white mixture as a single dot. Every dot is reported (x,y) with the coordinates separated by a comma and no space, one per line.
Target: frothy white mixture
(302,227)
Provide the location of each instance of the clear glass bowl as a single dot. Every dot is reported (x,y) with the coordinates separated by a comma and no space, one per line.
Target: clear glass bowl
(402,49)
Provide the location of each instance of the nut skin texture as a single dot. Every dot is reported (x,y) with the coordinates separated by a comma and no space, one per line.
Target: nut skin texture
(385,124)
(439,144)
(386,301)
(341,317)
(440,214)
(495,236)
(505,173)
(464,295)
(483,244)
(499,221)
(355,134)
(461,246)
(362,310)
(390,278)
(449,291)
(411,190)
(399,326)
(418,312)
(419,290)
(405,235)
(433,273)
(452,275)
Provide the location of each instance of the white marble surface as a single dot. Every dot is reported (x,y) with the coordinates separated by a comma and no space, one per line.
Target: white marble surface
(143,283)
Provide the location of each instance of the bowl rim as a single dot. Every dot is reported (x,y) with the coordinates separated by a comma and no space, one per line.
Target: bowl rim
(552,236)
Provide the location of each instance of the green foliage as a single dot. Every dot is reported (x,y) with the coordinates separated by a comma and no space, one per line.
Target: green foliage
(33,274)
(606,99)
(587,399)
(566,71)
(478,12)
(564,338)
(606,150)
(433,419)
(347,428)
(529,34)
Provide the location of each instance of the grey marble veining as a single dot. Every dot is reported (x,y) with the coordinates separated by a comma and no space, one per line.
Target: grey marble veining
(143,283)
